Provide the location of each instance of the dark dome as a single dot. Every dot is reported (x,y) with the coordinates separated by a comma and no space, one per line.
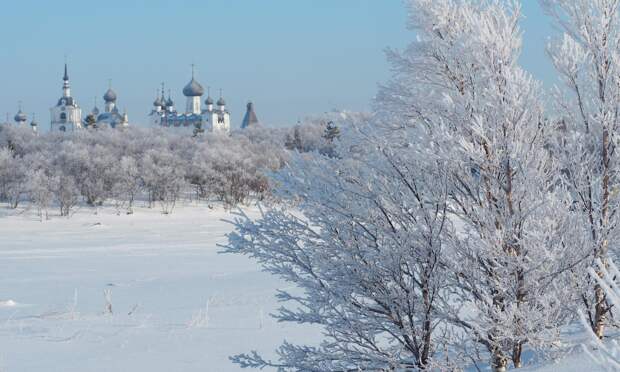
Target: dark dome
(109,96)
(20,116)
(221,102)
(158,102)
(209,101)
(169,102)
(193,89)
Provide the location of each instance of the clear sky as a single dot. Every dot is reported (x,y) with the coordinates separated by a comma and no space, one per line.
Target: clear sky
(292,58)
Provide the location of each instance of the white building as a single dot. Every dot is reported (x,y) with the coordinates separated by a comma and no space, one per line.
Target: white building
(66,115)
(194,119)
(110,117)
(21,119)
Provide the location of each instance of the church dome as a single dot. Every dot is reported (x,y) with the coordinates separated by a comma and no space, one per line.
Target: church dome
(193,89)
(158,102)
(109,96)
(221,102)
(169,102)
(209,101)
(20,116)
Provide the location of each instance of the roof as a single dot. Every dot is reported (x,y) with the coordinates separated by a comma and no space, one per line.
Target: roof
(193,89)
(109,96)
(20,116)
(250,119)
(110,118)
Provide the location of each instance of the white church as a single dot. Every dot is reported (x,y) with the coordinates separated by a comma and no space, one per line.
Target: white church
(110,117)
(21,119)
(66,115)
(195,119)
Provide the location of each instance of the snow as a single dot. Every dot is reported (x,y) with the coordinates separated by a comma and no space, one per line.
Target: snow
(8,303)
(177,303)
(578,362)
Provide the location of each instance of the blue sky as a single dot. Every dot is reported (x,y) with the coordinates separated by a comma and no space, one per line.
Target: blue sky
(291,57)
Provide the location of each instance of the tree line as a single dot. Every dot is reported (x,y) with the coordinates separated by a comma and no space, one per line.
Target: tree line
(154,166)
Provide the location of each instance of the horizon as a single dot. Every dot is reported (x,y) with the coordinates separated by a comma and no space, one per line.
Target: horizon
(307,71)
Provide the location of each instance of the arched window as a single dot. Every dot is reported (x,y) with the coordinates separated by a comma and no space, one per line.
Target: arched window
(63,117)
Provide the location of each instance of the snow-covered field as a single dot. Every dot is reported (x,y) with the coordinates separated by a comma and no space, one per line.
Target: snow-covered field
(177,304)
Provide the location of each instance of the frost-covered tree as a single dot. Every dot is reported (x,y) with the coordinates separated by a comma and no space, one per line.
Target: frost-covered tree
(587,58)
(104,164)
(20,140)
(125,183)
(318,132)
(66,193)
(461,107)
(483,119)
(41,190)
(164,177)
(13,177)
(363,240)
(97,160)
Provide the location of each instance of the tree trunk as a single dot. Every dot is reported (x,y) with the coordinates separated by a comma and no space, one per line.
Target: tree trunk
(599,313)
(499,362)
(600,310)
(427,324)
(516,355)
(599,294)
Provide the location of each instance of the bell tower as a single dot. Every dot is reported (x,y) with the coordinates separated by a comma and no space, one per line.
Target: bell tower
(66,116)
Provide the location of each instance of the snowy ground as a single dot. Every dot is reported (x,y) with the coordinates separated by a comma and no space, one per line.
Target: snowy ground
(161,270)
